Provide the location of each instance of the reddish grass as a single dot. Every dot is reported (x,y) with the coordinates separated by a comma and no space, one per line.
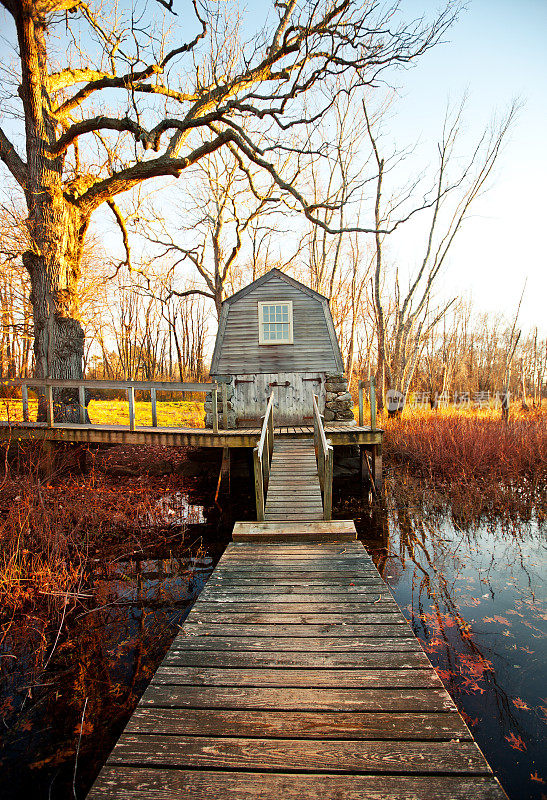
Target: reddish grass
(474,459)
(49,530)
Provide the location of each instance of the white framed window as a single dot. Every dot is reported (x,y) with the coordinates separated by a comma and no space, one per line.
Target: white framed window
(275,322)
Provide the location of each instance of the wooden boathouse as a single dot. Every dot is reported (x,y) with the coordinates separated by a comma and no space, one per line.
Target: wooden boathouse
(277,334)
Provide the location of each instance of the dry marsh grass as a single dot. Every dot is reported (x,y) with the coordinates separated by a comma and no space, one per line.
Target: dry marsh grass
(471,457)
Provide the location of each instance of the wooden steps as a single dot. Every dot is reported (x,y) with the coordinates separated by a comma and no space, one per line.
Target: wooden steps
(294,494)
(296,676)
(339,531)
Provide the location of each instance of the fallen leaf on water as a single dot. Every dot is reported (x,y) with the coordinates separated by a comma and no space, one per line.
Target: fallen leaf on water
(520,704)
(535,777)
(515,742)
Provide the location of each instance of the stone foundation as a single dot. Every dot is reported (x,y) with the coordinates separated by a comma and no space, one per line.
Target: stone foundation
(227,379)
(338,401)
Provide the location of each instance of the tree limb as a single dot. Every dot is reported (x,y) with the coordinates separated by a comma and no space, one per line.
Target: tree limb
(12,160)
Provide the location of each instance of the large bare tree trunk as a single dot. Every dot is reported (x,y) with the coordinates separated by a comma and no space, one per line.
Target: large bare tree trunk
(57,233)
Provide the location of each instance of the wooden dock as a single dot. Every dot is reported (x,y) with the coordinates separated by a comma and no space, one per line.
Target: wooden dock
(296,676)
(294,494)
(178,437)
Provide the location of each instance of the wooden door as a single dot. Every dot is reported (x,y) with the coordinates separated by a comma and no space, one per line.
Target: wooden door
(292,397)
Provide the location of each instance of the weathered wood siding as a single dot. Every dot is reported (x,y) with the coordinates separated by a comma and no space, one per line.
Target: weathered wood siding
(240,352)
(293,403)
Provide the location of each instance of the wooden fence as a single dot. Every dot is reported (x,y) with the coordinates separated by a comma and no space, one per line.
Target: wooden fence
(47,385)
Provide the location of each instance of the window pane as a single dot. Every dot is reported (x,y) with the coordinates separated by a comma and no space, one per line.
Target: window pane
(275,322)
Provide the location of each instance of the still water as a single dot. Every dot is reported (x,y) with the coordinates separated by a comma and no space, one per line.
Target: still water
(473,596)
(476,599)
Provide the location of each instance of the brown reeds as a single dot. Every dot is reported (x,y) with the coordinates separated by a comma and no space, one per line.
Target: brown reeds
(48,530)
(473,459)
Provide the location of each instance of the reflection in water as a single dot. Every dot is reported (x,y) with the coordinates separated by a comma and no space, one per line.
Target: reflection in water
(472,595)
(476,600)
(110,646)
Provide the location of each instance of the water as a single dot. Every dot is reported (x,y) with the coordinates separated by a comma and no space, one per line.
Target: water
(59,724)
(474,597)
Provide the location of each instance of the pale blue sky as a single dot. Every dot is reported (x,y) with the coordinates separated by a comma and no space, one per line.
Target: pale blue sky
(496,51)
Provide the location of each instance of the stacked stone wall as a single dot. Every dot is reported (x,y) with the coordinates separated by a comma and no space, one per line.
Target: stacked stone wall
(338,401)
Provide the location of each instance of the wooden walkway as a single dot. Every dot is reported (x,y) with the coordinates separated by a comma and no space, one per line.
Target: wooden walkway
(294,494)
(178,437)
(297,677)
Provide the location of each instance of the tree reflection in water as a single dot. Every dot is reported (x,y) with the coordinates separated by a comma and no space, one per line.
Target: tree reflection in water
(474,596)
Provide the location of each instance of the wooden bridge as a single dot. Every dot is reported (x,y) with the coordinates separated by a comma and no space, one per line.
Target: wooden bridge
(296,676)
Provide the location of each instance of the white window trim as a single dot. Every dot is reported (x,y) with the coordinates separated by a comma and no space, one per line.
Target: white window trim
(277,342)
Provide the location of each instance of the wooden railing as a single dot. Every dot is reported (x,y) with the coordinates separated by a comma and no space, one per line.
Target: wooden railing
(262,458)
(372,395)
(48,384)
(325,459)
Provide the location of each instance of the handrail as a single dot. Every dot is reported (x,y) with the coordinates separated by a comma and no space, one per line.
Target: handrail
(262,464)
(48,384)
(57,383)
(325,459)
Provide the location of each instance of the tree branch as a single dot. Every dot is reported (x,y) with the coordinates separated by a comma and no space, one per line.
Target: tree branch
(12,160)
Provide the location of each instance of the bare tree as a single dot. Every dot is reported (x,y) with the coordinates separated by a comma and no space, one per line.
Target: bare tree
(449,204)
(123,108)
(215,219)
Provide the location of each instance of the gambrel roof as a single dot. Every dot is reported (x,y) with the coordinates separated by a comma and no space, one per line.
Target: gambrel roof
(333,358)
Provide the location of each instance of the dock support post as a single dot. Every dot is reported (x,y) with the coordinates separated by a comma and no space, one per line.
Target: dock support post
(377,467)
(328,477)
(24,397)
(49,405)
(361,405)
(153,400)
(372,404)
(224,393)
(259,485)
(214,400)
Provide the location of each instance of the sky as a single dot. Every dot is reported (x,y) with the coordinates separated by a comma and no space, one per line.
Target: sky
(494,53)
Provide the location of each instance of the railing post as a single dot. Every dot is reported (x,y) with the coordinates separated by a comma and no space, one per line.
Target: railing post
(372,404)
(271,433)
(153,400)
(81,400)
(49,405)
(24,398)
(361,405)
(131,400)
(327,491)
(214,400)
(259,486)
(224,393)
(266,460)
